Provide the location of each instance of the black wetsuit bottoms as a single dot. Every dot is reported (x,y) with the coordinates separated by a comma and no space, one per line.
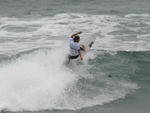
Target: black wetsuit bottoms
(73,57)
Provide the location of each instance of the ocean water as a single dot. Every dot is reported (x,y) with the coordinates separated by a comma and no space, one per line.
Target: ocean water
(114,76)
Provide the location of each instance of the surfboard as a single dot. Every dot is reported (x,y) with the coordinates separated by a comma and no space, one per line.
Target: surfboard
(87,45)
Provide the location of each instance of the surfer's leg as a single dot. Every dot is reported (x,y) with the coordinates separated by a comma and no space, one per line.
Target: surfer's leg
(68,59)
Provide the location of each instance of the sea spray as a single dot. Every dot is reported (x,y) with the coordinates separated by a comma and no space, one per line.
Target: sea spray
(40,80)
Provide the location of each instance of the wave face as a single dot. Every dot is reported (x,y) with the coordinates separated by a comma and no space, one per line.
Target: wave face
(33,75)
(40,80)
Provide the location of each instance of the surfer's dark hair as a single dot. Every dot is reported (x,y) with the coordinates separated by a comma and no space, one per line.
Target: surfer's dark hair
(76,38)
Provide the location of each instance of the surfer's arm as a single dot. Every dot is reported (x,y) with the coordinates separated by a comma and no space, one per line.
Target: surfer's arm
(82,47)
(73,35)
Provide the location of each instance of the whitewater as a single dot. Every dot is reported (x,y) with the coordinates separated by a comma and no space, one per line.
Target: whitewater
(113,78)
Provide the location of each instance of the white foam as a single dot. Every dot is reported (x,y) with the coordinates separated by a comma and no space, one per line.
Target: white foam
(137,15)
(34,83)
(63,25)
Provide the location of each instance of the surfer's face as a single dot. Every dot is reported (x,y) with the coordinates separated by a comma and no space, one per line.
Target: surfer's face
(78,40)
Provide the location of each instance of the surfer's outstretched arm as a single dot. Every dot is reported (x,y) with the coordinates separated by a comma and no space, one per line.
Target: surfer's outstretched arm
(73,35)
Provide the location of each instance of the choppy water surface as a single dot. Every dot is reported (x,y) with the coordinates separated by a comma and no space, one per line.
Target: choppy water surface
(33,47)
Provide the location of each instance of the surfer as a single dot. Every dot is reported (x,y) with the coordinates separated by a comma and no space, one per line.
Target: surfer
(75,47)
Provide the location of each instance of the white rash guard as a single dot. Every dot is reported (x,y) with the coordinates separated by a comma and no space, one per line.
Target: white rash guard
(74,47)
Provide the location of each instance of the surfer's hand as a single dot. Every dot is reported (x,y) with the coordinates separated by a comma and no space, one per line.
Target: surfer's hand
(80,32)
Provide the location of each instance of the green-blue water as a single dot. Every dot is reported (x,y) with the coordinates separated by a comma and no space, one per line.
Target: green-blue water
(114,76)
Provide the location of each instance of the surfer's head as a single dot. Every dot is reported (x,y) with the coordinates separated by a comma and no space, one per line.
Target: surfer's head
(76,38)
